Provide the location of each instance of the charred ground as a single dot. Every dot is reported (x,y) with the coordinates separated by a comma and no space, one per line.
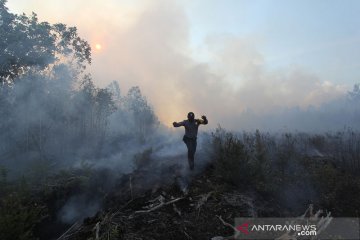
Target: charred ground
(248,174)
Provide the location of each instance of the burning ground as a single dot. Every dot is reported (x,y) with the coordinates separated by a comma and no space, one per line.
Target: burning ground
(237,175)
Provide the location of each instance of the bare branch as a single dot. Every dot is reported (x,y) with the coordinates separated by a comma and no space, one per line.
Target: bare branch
(162,203)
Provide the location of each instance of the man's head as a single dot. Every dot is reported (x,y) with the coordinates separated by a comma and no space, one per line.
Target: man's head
(191,116)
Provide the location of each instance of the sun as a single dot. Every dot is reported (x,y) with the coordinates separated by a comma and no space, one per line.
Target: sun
(98,47)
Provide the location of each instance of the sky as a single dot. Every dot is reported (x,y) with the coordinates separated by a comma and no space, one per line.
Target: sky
(218,58)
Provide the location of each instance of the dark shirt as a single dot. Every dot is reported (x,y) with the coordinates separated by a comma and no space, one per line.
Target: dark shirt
(191,128)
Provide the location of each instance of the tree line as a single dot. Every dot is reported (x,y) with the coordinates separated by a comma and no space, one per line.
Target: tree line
(50,109)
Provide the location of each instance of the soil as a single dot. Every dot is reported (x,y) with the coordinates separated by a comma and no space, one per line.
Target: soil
(170,211)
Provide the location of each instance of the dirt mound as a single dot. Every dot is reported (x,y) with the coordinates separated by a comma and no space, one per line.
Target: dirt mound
(168,211)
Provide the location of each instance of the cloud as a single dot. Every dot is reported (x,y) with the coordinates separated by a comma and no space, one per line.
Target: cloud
(155,54)
(148,44)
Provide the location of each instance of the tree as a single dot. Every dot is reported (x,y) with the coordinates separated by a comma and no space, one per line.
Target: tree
(355,93)
(143,115)
(39,64)
(26,43)
(114,89)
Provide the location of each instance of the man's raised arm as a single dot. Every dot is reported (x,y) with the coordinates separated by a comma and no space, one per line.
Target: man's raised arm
(203,120)
(178,124)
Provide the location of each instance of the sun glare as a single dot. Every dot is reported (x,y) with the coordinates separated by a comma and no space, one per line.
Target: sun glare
(98,46)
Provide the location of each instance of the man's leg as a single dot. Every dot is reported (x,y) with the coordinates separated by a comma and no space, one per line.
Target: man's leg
(191,153)
(187,143)
(189,148)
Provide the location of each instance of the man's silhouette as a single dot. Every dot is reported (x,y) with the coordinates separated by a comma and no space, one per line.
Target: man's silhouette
(191,129)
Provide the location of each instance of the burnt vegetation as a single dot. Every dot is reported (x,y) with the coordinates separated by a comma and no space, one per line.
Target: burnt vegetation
(82,162)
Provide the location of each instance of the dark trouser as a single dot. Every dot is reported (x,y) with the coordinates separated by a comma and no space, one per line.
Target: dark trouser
(191,146)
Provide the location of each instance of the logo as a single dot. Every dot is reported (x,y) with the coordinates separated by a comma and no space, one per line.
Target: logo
(300,228)
(244,228)
(273,228)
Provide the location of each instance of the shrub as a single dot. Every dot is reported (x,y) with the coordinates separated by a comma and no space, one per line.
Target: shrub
(319,168)
(242,162)
(19,216)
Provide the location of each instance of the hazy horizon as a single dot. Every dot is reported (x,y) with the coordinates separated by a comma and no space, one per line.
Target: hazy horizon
(219,59)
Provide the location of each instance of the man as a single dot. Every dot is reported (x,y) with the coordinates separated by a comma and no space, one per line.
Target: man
(191,129)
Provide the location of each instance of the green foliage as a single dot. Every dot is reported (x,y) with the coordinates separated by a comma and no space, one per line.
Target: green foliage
(19,216)
(52,113)
(93,108)
(143,115)
(339,190)
(242,162)
(26,43)
(280,165)
(50,109)
(104,103)
(231,158)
